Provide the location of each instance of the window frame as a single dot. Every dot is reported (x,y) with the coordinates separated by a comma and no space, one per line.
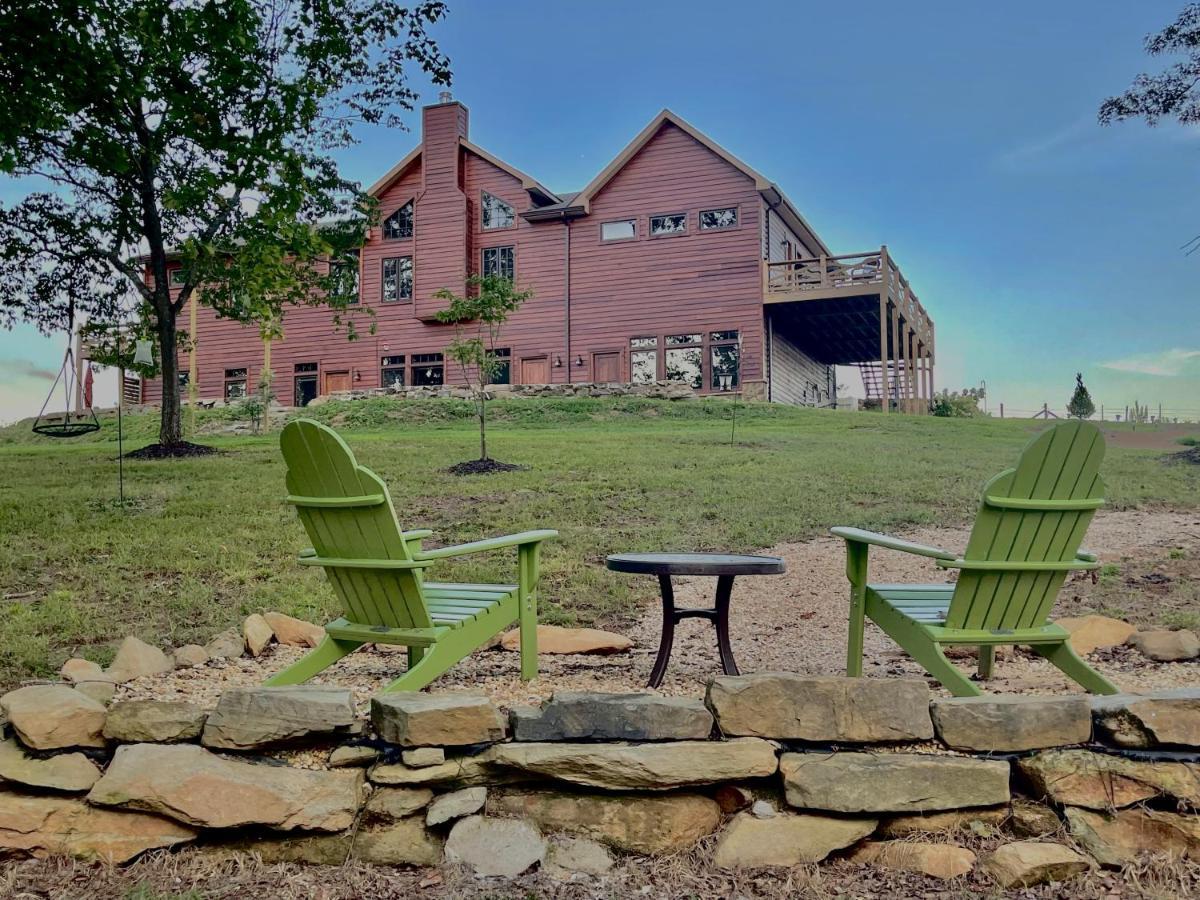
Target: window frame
(511,248)
(633,221)
(483,205)
(659,345)
(505,358)
(435,360)
(666,234)
(336,264)
(711,343)
(385,366)
(401,296)
(412,221)
(693,340)
(737,216)
(651,349)
(234,379)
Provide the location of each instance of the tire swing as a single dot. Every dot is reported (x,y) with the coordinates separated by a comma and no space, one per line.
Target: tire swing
(67,425)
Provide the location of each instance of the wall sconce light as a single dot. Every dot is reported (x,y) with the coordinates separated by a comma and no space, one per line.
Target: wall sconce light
(579,361)
(357,375)
(558,362)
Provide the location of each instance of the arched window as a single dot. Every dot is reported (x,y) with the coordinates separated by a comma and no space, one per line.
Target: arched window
(496,213)
(399,224)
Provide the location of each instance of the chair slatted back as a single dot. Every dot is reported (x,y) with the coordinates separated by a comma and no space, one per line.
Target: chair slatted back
(348,514)
(1038,511)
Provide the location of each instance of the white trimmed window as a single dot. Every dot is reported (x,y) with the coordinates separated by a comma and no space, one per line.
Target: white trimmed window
(399,225)
(725,217)
(675,223)
(624,230)
(496,213)
(500,261)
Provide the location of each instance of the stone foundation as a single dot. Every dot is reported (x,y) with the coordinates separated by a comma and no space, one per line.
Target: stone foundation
(658,390)
(784,769)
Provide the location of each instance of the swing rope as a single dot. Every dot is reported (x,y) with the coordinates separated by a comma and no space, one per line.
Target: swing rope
(66,427)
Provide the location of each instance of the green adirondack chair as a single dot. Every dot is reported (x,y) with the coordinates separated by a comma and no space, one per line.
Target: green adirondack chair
(377,570)
(1025,541)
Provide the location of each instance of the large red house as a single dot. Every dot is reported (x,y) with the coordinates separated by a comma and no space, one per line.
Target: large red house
(677,261)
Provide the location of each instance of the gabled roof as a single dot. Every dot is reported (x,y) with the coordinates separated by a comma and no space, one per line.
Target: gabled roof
(394,172)
(534,187)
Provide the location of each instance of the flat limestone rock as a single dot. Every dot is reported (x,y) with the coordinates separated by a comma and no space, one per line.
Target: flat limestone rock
(391,803)
(891,782)
(653,767)
(62,772)
(313,849)
(248,718)
(936,860)
(554,640)
(405,842)
(1029,819)
(189,656)
(153,721)
(194,786)
(946,822)
(637,823)
(136,658)
(581,716)
(226,645)
(1027,863)
(1167,646)
(1094,632)
(785,706)
(294,632)
(455,805)
(54,716)
(567,856)
(436,720)
(785,840)
(1013,723)
(420,757)
(78,671)
(48,825)
(1163,718)
(1121,838)
(347,756)
(495,847)
(1101,781)
(457,770)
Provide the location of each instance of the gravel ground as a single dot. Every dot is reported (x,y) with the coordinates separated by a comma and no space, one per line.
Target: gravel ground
(794,622)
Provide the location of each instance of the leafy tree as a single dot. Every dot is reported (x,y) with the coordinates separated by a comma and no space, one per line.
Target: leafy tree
(962,404)
(196,129)
(1081,405)
(478,319)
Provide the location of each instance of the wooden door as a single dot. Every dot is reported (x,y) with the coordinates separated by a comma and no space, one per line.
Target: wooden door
(535,370)
(606,366)
(337,381)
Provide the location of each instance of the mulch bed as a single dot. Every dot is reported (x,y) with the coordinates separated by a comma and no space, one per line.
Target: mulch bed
(1190,456)
(483,467)
(171,451)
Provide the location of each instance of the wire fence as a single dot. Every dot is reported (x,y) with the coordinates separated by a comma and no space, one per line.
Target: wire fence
(1149,414)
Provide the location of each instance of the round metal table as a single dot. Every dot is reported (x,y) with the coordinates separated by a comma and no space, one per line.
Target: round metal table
(725,566)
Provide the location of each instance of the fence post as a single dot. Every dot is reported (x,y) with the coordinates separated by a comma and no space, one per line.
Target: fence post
(1002,410)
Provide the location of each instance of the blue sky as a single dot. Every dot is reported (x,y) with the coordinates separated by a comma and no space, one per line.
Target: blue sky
(962,135)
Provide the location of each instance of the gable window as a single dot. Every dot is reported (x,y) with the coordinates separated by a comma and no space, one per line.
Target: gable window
(178,277)
(725,353)
(391,371)
(496,213)
(643,360)
(399,225)
(344,275)
(726,217)
(500,261)
(503,370)
(676,223)
(427,369)
(235,384)
(397,279)
(624,230)
(684,359)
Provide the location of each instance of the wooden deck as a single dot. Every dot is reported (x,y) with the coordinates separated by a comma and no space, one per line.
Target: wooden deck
(861,308)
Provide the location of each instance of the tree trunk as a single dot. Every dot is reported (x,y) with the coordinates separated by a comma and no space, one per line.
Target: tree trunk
(170,429)
(482,426)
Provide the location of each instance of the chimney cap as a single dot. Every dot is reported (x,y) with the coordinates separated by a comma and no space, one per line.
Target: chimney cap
(445,97)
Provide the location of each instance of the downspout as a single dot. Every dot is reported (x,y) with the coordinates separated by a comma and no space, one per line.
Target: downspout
(567,292)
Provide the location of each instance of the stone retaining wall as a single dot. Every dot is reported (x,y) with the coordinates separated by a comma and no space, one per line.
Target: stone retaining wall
(657,390)
(785,769)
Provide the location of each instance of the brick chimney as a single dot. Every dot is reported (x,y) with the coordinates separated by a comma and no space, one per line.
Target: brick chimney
(442,229)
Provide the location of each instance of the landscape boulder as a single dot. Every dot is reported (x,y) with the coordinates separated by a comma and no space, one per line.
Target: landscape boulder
(1029,819)
(554,640)
(43,826)
(1027,863)
(567,856)
(153,721)
(62,772)
(1102,781)
(436,720)
(1163,718)
(257,634)
(136,659)
(405,842)
(787,840)
(891,782)
(582,716)
(294,632)
(80,671)
(821,708)
(935,860)
(1094,632)
(1167,646)
(189,656)
(226,645)
(54,716)
(637,823)
(455,805)
(497,847)
(1120,838)
(654,767)
(249,718)
(1013,723)
(192,785)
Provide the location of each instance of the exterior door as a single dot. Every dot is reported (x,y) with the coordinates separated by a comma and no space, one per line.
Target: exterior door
(337,381)
(535,370)
(606,366)
(306,389)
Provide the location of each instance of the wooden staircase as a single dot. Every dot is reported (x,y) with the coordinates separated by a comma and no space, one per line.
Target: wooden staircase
(877,382)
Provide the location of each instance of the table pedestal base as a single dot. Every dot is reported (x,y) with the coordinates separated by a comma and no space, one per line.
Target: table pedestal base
(718,615)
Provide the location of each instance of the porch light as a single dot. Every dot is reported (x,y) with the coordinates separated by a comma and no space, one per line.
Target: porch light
(558,362)
(579,361)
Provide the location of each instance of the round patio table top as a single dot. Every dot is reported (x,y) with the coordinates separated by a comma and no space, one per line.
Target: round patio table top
(695,564)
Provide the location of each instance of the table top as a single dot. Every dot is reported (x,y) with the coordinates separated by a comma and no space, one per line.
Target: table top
(695,564)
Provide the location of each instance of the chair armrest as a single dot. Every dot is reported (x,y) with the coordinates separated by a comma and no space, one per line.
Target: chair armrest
(511,540)
(307,552)
(416,534)
(858,536)
(985,565)
(1086,556)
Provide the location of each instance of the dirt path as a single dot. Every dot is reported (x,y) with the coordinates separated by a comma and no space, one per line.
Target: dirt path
(794,622)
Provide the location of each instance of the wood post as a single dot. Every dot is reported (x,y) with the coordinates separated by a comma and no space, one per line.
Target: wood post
(78,338)
(883,346)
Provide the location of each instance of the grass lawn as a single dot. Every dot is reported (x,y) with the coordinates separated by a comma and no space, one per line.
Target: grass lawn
(206,541)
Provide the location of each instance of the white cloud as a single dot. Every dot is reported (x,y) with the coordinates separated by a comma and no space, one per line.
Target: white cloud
(1166,363)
